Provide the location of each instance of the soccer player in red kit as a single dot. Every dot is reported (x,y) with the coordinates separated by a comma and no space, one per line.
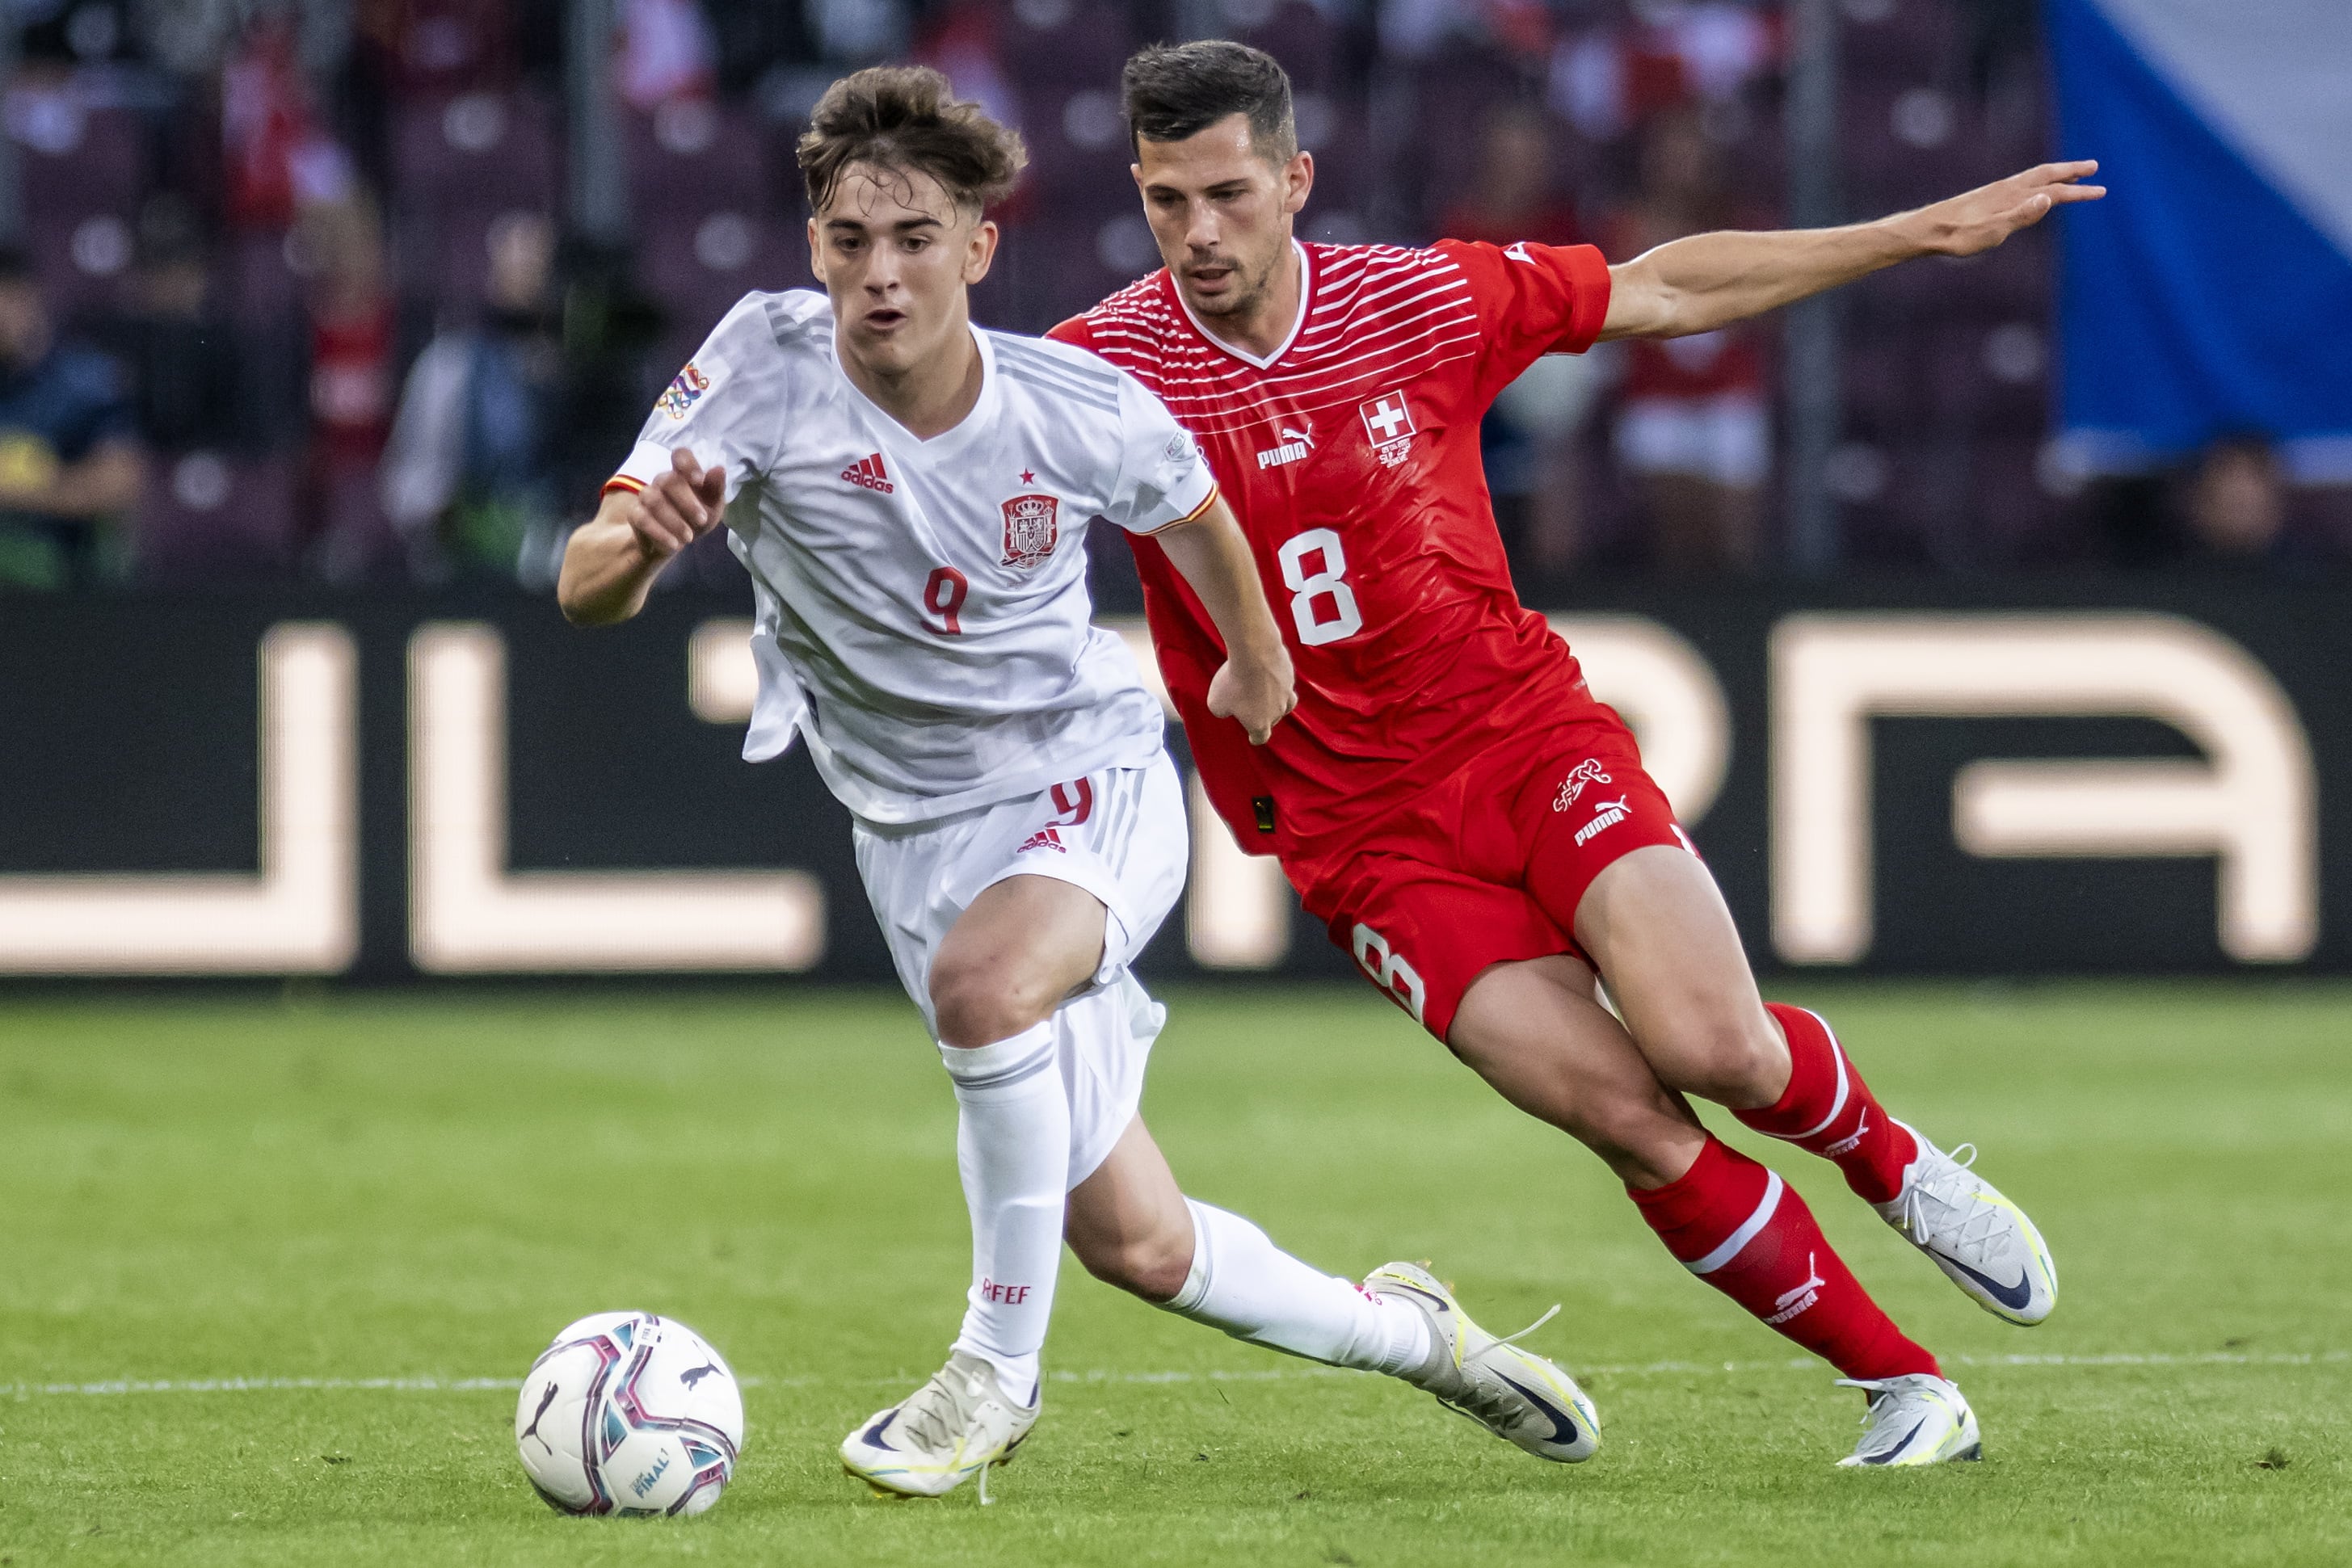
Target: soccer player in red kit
(1448,797)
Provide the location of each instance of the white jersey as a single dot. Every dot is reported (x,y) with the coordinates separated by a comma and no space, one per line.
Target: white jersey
(923,612)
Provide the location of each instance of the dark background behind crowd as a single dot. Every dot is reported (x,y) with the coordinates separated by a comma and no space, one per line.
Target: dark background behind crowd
(302,292)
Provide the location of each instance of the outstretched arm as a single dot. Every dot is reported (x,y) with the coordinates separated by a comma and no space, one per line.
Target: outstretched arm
(1711,281)
(1254,686)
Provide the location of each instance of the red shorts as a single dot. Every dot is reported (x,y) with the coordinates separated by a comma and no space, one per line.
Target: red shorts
(1488,866)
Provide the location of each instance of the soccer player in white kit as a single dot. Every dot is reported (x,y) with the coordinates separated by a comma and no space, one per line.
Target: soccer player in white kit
(910,495)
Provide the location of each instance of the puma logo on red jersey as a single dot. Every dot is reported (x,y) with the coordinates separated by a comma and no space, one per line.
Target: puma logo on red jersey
(867,471)
(1295,445)
(1607,814)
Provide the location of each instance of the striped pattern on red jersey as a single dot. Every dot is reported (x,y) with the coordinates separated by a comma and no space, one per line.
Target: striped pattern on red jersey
(1378,316)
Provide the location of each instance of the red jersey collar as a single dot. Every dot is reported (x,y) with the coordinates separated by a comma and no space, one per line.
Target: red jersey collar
(1306,304)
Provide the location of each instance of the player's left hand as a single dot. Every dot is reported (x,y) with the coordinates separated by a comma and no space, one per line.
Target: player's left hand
(1980,219)
(1257,692)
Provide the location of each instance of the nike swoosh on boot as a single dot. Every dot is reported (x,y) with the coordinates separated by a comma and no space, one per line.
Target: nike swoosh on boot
(1564,1426)
(1888,1456)
(2013,1297)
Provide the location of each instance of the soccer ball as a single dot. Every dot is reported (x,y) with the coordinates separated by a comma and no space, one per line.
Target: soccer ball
(629,1413)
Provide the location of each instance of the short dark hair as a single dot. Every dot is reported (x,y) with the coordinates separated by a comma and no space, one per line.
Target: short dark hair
(907,118)
(1175,90)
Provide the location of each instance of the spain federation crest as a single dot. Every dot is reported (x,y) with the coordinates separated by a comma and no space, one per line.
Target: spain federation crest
(1032,528)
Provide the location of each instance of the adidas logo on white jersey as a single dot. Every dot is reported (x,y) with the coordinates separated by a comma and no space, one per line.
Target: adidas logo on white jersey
(867,471)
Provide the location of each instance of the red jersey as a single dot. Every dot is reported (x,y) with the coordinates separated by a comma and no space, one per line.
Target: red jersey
(1351,457)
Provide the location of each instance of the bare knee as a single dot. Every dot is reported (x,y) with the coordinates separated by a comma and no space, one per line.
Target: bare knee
(1728,1055)
(1536,1033)
(1152,1265)
(978,1001)
(1010,959)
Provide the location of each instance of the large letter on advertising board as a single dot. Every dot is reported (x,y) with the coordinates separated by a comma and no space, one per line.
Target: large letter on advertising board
(2251,801)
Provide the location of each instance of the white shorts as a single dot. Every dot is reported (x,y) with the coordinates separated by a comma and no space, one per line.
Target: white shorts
(1121,834)
(1725,440)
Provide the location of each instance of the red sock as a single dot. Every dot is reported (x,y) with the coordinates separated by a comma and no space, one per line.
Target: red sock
(1735,1225)
(1828,1111)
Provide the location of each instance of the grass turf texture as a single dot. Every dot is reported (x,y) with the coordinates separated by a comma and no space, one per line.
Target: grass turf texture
(426,1188)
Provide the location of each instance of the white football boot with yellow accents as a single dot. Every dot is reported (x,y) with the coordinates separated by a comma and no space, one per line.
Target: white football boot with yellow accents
(1977,1238)
(1915,1419)
(1513,1393)
(958,1424)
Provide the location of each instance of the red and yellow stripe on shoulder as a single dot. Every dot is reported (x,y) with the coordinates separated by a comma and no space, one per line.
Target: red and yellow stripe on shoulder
(1194,516)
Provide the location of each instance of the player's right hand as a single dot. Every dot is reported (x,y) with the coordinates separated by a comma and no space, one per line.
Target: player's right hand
(1257,694)
(678,508)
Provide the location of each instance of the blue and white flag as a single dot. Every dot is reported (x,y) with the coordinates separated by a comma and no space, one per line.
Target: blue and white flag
(2210,293)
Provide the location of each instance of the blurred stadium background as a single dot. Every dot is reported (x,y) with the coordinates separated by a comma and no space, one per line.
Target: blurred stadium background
(324,322)
(1984,622)
(386,283)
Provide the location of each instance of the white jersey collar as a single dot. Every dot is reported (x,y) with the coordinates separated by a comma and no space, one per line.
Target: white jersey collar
(1306,303)
(948,442)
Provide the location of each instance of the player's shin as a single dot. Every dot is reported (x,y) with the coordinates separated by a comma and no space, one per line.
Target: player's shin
(1737,1227)
(1243,1283)
(1828,1111)
(1013,1150)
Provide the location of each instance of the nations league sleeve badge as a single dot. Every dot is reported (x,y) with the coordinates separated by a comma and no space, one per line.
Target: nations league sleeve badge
(1031,530)
(688,384)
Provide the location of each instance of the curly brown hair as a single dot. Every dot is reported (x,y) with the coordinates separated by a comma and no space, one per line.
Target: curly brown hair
(908,119)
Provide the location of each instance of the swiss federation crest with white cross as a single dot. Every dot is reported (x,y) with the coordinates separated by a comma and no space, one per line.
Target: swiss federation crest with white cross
(1032,528)
(1388,420)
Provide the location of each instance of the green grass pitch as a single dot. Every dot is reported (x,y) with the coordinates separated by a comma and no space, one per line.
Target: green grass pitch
(318,1194)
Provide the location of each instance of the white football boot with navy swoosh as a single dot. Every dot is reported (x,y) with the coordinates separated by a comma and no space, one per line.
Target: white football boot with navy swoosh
(1981,1240)
(1915,1419)
(960,1425)
(1515,1394)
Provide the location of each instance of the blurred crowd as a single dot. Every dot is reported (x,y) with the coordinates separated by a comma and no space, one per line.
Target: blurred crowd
(296,296)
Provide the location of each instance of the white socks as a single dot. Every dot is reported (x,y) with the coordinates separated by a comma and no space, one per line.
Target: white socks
(1012,1149)
(1243,1283)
